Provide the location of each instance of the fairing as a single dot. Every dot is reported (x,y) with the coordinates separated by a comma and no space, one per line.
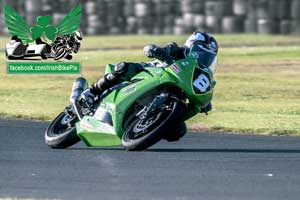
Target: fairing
(95,131)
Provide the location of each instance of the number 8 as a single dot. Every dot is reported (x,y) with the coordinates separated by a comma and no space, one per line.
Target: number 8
(201,83)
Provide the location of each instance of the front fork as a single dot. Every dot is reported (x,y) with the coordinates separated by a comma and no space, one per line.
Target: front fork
(70,117)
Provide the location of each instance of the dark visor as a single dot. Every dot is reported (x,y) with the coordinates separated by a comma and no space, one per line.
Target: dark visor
(204,57)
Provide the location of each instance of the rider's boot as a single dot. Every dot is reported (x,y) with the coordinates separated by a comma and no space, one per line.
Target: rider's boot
(207,108)
(96,89)
(122,72)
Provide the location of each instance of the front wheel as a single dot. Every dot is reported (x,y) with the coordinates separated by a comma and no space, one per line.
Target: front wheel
(143,133)
(61,133)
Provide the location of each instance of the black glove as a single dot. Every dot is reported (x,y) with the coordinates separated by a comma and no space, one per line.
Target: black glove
(154,51)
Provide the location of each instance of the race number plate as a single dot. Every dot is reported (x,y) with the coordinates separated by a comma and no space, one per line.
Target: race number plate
(201,82)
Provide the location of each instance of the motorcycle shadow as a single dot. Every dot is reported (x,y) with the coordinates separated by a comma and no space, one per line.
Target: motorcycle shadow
(226,150)
(117,148)
(192,150)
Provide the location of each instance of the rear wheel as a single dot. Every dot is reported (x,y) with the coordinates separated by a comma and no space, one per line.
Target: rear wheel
(61,133)
(140,133)
(175,133)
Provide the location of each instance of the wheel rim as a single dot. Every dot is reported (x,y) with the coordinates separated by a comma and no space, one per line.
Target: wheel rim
(63,125)
(66,119)
(142,125)
(60,53)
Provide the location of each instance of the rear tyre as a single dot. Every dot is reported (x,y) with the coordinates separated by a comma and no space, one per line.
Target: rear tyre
(174,134)
(61,133)
(139,135)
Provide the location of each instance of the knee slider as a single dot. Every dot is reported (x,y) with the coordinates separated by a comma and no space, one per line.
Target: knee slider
(121,67)
(109,77)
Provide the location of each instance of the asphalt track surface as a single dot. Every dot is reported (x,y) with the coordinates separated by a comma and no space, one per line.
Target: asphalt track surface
(200,166)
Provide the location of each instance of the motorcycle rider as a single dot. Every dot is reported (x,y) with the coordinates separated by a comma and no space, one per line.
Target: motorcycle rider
(65,45)
(124,71)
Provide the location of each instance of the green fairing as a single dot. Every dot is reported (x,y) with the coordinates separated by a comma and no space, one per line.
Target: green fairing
(119,101)
(88,129)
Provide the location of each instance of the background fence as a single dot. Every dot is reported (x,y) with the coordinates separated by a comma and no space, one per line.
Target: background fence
(169,16)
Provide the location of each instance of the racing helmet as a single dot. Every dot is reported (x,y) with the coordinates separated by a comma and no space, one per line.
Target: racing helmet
(203,47)
(78,35)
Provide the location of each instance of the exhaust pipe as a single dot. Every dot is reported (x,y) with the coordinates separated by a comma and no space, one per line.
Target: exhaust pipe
(79,85)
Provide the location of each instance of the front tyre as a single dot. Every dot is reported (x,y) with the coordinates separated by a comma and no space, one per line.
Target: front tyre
(141,134)
(61,133)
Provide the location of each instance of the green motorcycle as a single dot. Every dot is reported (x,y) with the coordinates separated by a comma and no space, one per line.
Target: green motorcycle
(140,112)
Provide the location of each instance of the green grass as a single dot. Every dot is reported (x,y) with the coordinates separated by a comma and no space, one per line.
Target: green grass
(226,40)
(257,91)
